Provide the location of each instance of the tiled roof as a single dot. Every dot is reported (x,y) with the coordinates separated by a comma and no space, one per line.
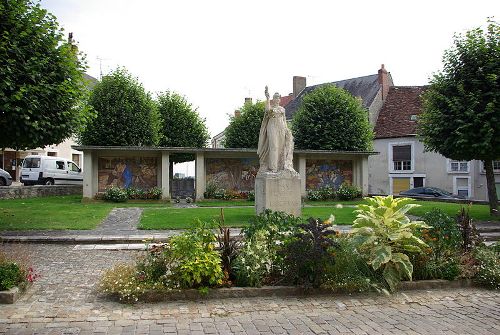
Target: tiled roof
(285,100)
(365,87)
(395,118)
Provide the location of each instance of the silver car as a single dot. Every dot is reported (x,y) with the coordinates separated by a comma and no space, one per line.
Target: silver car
(5,178)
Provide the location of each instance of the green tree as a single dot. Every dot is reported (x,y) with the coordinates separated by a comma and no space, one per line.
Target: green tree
(243,130)
(126,113)
(180,125)
(330,118)
(41,78)
(461,118)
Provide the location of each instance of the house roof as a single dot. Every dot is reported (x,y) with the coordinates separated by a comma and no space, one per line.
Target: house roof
(365,87)
(285,100)
(395,117)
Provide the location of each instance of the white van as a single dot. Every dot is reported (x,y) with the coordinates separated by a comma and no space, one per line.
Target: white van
(48,170)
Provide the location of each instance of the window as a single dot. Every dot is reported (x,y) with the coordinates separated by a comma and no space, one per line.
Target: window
(418,182)
(52,153)
(31,163)
(76,159)
(462,187)
(60,165)
(401,157)
(73,167)
(496,166)
(458,166)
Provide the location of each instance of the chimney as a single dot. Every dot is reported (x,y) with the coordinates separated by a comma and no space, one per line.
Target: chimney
(237,113)
(383,80)
(299,83)
(248,101)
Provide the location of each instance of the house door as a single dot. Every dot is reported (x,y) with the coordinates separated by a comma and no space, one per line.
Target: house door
(400,184)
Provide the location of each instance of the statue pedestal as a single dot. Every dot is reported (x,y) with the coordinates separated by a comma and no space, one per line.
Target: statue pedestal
(278,192)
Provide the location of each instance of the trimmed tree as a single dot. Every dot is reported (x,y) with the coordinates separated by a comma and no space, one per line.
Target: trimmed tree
(243,130)
(461,118)
(180,125)
(330,118)
(126,113)
(41,78)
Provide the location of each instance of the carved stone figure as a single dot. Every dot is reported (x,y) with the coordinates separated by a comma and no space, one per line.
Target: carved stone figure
(275,148)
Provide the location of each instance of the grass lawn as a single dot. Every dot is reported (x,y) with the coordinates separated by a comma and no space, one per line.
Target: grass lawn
(334,202)
(477,212)
(173,218)
(61,212)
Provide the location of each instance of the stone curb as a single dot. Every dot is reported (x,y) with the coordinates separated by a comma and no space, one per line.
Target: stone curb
(83,239)
(280,291)
(10,296)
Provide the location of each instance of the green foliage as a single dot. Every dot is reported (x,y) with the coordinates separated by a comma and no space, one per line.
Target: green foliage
(10,275)
(385,236)
(323,193)
(195,262)
(348,192)
(279,226)
(126,113)
(243,130)
(228,249)
(330,118)
(254,261)
(462,104)
(488,273)
(115,194)
(123,281)
(308,253)
(443,237)
(180,125)
(447,268)
(41,78)
(350,272)
(153,193)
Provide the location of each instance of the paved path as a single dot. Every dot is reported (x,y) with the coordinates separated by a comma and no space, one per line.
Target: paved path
(63,301)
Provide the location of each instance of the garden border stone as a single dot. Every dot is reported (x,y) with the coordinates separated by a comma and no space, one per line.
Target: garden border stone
(10,296)
(280,291)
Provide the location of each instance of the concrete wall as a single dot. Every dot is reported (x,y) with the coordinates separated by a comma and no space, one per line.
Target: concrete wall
(432,166)
(22,192)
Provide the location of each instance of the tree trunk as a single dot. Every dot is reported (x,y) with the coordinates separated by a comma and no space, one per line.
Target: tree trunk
(490,184)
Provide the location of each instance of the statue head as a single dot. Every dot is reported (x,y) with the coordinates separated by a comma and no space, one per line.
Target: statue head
(276,100)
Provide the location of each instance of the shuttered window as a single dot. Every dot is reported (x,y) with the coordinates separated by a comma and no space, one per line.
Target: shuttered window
(401,157)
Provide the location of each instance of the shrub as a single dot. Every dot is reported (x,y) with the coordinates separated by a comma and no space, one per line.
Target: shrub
(350,272)
(448,268)
(254,261)
(210,189)
(314,195)
(488,270)
(278,224)
(385,236)
(115,194)
(443,236)
(348,192)
(195,263)
(251,196)
(308,253)
(228,249)
(123,281)
(323,193)
(10,275)
(470,236)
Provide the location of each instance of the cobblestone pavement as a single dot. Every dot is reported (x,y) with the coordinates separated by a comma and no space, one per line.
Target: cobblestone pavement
(63,301)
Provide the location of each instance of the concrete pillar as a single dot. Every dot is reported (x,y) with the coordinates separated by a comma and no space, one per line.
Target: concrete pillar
(88,174)
(303,176)
(364,175)
(165,175)
(200,175)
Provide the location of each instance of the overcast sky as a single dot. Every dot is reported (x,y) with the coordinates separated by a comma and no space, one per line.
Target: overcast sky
(216,53)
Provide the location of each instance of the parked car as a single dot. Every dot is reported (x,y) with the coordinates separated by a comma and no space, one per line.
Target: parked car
(5,178)
(430,192)
(48,170)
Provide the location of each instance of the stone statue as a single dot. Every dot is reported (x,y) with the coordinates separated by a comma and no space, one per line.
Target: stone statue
(275,148)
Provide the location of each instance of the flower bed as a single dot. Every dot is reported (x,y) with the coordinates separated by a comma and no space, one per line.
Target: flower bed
(15,277)
(384,249)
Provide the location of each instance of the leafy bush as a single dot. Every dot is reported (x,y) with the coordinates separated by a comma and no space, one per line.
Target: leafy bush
(350,272)
(123,281)
(470,236)
(210,189)
(443,236)
(488,270)
(115,194)
(348,192)
(323,193)
(385,235)
(228,250)
(279,225)
(448,268)
(254,261)
(308,253)
(10,275)
(195,263)
(251,196)
(150,194)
